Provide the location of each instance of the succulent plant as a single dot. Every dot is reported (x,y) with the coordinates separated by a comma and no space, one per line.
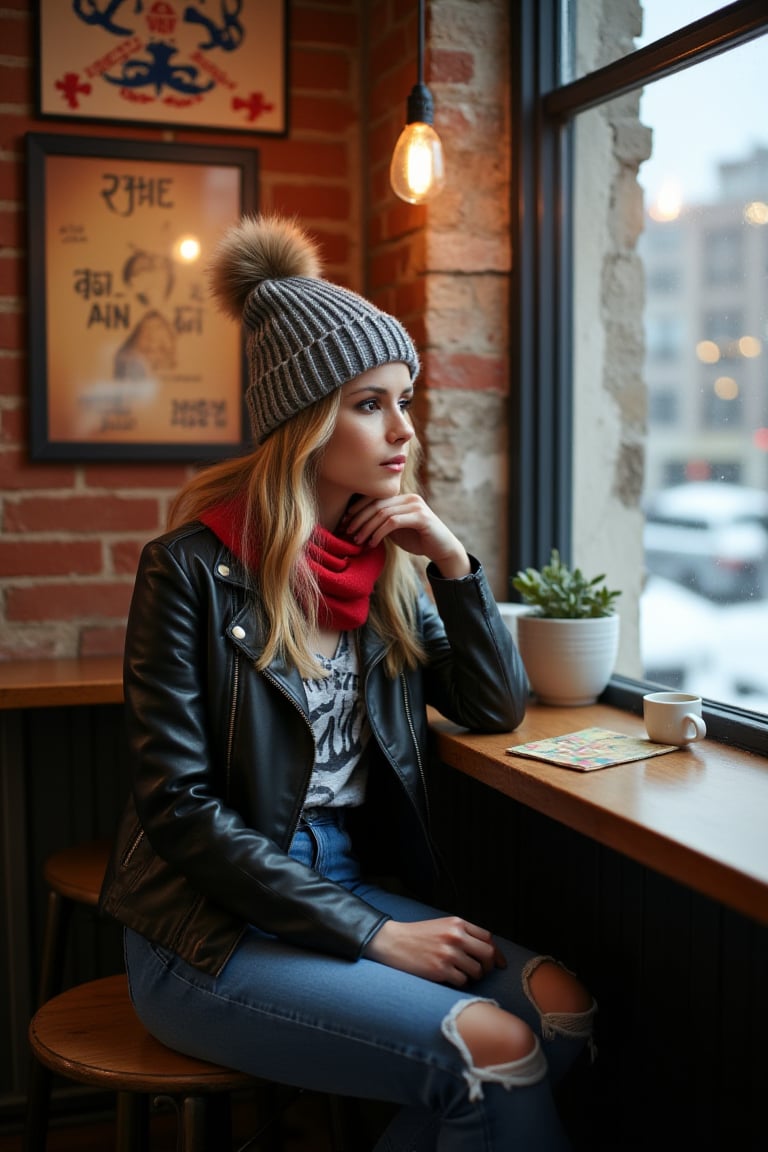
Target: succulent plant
(558,592)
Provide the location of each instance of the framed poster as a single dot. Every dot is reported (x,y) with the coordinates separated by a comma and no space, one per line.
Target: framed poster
(216,64)
(129,358)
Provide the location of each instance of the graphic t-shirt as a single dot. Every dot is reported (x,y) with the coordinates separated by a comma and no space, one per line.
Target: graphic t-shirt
(340,726)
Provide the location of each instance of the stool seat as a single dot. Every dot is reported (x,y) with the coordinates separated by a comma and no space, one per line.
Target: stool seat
(76,873)
(91,1034)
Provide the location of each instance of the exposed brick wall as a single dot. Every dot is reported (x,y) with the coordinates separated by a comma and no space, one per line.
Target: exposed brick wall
(445,267)
(70,533)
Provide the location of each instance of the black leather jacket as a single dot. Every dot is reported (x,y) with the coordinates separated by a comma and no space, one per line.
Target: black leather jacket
(221,755)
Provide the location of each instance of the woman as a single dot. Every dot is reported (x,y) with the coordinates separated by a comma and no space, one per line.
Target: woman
(281,651)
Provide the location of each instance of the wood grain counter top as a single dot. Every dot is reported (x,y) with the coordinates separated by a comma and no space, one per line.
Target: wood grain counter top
(699,815)
(47,683)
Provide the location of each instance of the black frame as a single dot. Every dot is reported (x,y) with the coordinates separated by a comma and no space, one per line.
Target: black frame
(541,413)
(39,148)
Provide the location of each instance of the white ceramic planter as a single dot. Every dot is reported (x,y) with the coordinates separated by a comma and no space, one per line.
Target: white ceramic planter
(568,662)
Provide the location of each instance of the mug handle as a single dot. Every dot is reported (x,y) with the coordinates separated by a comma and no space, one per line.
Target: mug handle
(697,729)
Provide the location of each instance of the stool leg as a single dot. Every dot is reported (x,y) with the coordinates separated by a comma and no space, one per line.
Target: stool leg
(57,920)
(39,1085)
(272,1132)
(205,1123)
(39,1079)
(131,1122)
(342,1112)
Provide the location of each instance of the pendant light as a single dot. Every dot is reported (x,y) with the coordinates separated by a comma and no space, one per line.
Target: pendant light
(417,171)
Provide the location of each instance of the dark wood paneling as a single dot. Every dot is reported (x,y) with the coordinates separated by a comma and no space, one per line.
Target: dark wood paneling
(73,783)
(680,980)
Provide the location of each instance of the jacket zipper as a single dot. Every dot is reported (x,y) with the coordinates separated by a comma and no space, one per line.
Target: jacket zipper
(232,711)
(419,761)
(292,702)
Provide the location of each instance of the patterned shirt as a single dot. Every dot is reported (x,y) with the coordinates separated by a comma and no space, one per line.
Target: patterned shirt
(341,730)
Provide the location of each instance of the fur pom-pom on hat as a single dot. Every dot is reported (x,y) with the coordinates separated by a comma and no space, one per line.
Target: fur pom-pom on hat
(259,248)
(305,336)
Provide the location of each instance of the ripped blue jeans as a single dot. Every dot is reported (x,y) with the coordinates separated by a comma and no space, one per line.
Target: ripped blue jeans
(364,1029)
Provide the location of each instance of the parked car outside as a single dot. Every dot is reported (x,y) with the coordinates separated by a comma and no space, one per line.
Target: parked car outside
(693,644)
(710,537)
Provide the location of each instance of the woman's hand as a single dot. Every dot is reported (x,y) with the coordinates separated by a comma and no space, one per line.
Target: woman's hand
(448,950)
(411,524)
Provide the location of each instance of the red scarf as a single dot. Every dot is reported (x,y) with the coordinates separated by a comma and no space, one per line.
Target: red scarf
(345,572)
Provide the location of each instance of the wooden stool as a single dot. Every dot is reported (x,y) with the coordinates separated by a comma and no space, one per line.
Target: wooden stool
(92,1035)
(73,876)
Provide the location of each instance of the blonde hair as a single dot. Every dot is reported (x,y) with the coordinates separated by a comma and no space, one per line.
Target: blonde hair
(277,483)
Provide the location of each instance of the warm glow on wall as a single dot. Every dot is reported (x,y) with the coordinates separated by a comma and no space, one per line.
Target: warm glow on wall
(187,249)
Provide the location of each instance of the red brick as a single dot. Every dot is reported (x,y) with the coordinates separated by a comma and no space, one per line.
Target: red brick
(12,331)
(11,228)
(307,158)
(17,474)
(313,201)
(125,556)
(322,114)
(323,27)
(393,47)
(50,558)
(320,71)
(13,374)
(411,298)
(385,134)
(392,90)
(389,266)
(16,33)
(11,278)
(82,514)
(15,84)
(334,246)
(13,126)
(87,600)
(451,67)
(121,476)
(13,424)
(473,373)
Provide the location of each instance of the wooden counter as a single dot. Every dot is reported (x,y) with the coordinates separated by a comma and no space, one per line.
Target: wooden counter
(54,683)
(698,815)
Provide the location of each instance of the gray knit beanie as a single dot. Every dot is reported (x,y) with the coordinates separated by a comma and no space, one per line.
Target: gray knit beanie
(305,336)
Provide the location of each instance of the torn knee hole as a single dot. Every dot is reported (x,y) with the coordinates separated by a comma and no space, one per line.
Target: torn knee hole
(527,1066)
(564,1006)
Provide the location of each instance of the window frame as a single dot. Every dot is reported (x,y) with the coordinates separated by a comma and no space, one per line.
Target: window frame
(541,336)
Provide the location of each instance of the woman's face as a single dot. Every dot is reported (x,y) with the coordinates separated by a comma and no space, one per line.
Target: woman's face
(367,451)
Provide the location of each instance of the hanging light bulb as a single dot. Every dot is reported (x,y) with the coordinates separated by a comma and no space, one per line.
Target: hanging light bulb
(417,171)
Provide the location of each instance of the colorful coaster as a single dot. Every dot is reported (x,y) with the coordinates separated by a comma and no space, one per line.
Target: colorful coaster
(591,748)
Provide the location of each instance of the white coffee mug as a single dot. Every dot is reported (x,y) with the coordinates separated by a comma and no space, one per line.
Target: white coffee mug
(673,717)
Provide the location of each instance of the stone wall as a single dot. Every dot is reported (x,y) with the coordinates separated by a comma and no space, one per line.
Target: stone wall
(609,392)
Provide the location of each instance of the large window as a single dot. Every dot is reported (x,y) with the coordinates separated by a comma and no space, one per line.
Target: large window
(640,440)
